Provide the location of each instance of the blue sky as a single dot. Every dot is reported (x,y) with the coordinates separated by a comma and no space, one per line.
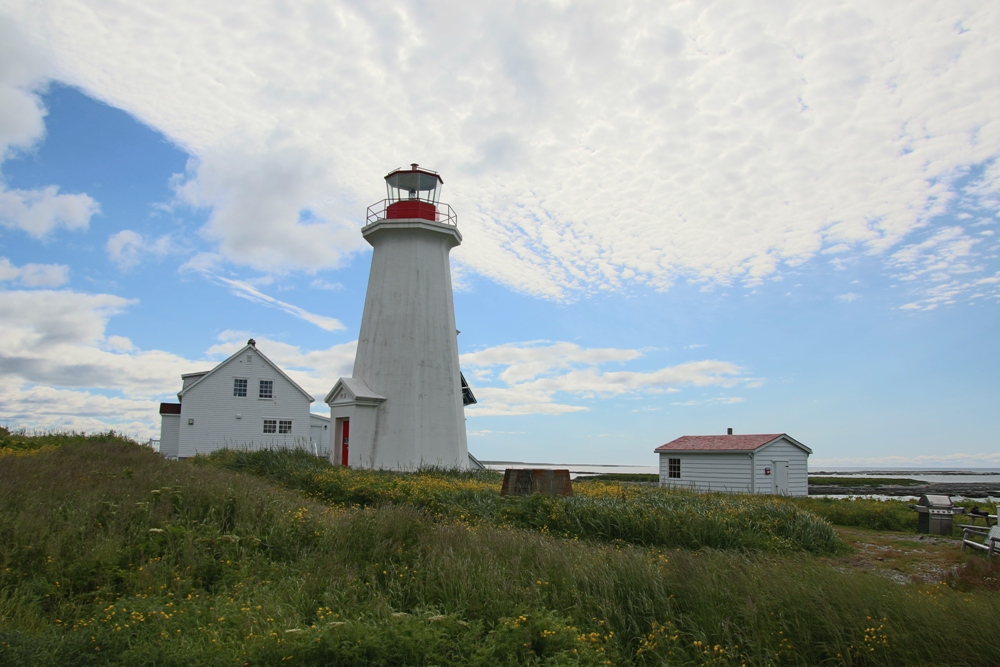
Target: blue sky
(677,219)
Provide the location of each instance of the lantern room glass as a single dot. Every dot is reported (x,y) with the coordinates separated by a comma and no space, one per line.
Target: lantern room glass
(413,185)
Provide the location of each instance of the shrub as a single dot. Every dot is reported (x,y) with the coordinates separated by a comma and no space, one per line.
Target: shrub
(603,511)
(110,555)
(862,512)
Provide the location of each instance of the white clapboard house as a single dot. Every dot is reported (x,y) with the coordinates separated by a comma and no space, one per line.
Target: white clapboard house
(759,463)
(244,402)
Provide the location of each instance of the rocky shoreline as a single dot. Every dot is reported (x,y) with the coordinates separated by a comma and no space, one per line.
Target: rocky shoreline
(977,490)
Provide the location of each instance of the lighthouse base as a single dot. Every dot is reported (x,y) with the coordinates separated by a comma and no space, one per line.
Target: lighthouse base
(355,414)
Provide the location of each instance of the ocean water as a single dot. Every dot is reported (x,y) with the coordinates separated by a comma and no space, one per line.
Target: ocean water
(959,475)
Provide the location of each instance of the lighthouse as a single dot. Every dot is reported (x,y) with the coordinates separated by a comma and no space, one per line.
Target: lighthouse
(402,408)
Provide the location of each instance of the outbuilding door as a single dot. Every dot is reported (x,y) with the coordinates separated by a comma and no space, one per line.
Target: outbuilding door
(780,477)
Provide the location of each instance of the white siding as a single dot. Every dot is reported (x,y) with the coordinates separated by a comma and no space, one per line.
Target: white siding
(170,431)
(319,433)
(213,409)
(191,378)
(731,471)
(408,351)
(798,469)
(725,471)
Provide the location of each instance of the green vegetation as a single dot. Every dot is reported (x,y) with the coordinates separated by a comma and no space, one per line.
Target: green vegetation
(20,442)
(110,555)
(894,515)
(861,512)
(646,478)
(864,481)
(606,512)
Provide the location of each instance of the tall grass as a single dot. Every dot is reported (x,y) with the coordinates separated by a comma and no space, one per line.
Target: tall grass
(862,512)
(21,442)
(110,555)
(603,511)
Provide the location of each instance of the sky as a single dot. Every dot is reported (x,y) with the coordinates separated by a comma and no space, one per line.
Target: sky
(678,217)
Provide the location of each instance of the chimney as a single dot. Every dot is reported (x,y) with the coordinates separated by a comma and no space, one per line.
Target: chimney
(729,431)
(253,343)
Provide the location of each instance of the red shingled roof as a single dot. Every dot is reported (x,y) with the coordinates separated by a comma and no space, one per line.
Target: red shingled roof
(719,443)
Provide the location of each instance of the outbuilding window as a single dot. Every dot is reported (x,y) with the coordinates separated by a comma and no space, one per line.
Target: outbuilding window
(284,426)
(240,387)
(266,389)
(674,468)
(270,425)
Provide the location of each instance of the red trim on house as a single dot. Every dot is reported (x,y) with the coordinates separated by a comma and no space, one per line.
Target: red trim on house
(170,408)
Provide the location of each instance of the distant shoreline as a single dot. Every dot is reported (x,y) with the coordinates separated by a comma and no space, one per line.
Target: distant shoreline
(895,472)
(909,471)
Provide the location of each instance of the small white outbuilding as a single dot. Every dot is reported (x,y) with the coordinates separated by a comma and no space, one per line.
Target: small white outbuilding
(773,463)
(246,402)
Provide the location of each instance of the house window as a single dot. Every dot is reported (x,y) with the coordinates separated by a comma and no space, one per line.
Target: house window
(674,468)
(266,389)
(270,426)
(284,426)
(239,387)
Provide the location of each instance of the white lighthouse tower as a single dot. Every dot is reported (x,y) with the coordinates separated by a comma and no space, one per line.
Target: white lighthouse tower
(403,406)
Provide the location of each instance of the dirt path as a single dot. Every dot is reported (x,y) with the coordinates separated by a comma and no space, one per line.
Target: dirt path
(902,557)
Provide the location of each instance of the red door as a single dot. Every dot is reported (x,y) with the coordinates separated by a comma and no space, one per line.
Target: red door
(344,441)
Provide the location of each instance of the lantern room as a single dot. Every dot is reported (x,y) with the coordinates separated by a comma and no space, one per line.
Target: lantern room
(413,193)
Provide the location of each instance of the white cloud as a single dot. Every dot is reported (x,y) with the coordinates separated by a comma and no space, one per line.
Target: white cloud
(319,283)
(128,248)
(944,269)
(23,70)
(119,344)
(45,408)
(57,338)
(247,291)
(270,207)
(526,361)
(584,148)
(316,371)
(38,212)
(849,297)
(721,400)
(62,369)
(538,375)
(34,275)
(22,73)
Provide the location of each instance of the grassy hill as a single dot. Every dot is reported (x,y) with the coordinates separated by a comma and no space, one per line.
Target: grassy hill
(110,555)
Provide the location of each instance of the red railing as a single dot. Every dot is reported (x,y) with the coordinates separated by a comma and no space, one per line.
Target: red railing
(443,213)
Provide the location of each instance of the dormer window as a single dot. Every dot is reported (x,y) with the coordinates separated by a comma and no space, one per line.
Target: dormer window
(266,389)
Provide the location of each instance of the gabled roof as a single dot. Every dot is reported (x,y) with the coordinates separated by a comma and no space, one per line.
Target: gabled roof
(244,350)
(727,443)
(352,389)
